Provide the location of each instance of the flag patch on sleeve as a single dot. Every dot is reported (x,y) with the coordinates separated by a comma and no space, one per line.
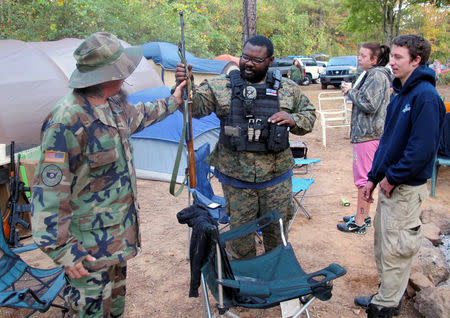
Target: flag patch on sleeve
(54,156)
(271,92)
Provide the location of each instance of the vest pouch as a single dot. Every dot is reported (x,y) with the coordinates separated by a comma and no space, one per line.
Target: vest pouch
(278,138)
(238,143)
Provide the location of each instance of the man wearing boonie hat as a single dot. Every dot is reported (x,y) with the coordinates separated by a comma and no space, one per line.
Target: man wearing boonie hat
(85,214)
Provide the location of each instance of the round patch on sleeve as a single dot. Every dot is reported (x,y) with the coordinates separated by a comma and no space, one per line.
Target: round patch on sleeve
(51,175)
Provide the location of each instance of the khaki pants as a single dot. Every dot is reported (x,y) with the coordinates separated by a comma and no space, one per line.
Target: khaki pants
(398,237)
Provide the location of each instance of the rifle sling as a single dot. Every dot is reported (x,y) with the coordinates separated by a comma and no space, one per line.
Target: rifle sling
(176,166)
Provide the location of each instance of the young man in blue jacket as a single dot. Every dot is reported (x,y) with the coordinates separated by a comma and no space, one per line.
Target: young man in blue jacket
(402,165)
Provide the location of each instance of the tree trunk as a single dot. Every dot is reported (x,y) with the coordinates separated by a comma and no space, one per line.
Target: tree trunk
(399,16)
(383,15)
(248,20)
(390,20)
(320,18)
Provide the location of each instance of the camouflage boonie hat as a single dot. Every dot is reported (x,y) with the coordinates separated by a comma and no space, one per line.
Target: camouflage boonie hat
(101,58)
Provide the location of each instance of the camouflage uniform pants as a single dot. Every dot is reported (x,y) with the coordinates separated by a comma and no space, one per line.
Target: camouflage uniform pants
(102,294)
(245,205)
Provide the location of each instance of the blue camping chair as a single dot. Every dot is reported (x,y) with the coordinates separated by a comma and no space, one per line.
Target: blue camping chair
(301,185)
(263,281)
(203,194)
(23,286)
(443,155)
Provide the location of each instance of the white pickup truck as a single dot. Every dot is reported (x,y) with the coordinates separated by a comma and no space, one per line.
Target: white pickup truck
(312,70)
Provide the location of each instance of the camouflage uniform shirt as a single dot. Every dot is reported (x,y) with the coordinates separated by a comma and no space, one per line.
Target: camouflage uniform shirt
(214,95)
(84,193)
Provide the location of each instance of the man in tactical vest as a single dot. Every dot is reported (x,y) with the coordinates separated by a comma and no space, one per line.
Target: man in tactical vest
(257,110)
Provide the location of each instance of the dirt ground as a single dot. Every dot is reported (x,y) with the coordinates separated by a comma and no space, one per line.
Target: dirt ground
(158,278)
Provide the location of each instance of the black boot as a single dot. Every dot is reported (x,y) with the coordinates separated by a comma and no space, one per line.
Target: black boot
(375,311)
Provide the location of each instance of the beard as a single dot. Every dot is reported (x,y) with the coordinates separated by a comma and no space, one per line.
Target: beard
(256,76)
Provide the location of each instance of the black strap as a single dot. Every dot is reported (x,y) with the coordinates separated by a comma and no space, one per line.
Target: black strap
(236,79)
(237,83)
(176,165)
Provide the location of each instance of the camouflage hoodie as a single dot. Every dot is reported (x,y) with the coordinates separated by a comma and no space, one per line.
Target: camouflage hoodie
(84,192)
(370,99)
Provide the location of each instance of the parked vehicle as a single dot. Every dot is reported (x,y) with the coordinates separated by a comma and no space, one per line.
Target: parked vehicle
(340,68)
(322,65)
(312,70)
(283,64)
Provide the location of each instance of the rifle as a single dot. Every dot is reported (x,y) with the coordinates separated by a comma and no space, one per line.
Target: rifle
(13,208)
(187,109)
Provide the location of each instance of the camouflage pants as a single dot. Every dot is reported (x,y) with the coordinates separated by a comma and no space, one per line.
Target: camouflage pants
(245,205)
(102,294)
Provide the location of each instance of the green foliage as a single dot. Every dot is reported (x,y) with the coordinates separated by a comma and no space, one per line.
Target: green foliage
(213,27)
(443,79)
(302,27)
(364,21)
(433,23)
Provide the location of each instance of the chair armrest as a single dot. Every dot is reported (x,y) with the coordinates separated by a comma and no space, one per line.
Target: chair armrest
(203,200)
(299,161)
(26,248)
(250,227)
(248,288)
(443,161)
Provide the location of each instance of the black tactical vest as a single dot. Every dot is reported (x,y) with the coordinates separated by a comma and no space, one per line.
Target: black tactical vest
(245,128)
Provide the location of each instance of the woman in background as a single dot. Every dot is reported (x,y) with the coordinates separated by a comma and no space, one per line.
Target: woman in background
(370,97)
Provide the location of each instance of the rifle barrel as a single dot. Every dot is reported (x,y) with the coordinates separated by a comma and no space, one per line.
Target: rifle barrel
(187,105)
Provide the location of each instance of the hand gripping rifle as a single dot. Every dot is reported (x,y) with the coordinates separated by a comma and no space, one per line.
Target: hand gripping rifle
(187,118)
(13,208)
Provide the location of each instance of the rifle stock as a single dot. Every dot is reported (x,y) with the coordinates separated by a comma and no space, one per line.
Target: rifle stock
(5,219)
(16,187)
(188,109)
(5,224)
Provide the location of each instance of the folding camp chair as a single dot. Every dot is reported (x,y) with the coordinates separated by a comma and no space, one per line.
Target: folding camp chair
(299,151)
(203,193)
(263,281)
(23,286)
(443,155)
(300,186)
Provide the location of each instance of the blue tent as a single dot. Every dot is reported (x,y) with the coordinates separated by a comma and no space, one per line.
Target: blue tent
(166,54)
(155,147)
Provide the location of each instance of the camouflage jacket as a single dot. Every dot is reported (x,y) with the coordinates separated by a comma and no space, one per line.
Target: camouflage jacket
(214,95)
(295,74)
(370,99)
(84,192)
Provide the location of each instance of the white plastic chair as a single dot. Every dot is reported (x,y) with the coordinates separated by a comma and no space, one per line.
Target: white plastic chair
(332,108)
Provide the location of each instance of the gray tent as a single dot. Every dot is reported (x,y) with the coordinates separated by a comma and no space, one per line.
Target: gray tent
(34,76)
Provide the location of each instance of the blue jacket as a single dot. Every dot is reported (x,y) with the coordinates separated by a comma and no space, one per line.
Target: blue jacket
(412,129)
